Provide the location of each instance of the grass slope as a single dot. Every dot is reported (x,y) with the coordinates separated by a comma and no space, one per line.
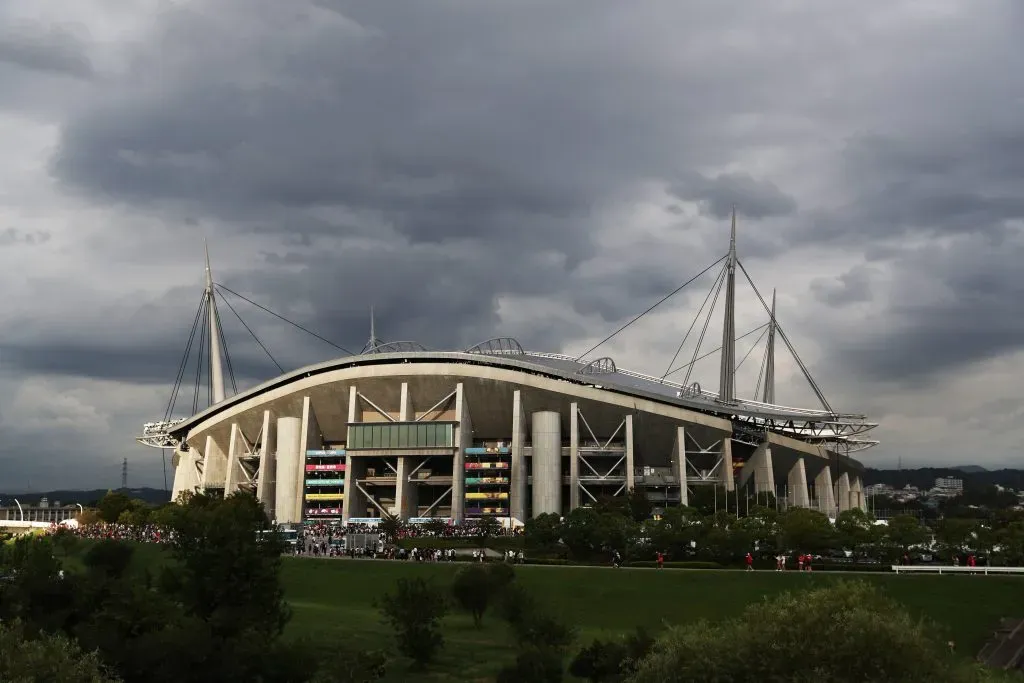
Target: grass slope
(334,600)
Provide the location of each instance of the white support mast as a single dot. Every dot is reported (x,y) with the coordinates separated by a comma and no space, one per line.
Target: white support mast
(769,365)
(727,378)
(216,371)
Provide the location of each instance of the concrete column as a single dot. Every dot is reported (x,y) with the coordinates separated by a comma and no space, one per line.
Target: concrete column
(574,456)
(266,478)
(547,462)
(235,476)
(355,468)
(463,440)
(843,492)
(760,467)
(679,466)
(405,491)
(312,439)
(796,482)
(186,474)
(517,496)
(857,493)
(727,478)
(354,503)
(823,492)
(289,461)
(215,464)
(630,458)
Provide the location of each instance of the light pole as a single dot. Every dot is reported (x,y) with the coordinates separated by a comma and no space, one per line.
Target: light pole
(21,511)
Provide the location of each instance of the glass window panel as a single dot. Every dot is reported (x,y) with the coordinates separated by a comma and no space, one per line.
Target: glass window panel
(448,435)
(375,441)
(403,436)
(389,436)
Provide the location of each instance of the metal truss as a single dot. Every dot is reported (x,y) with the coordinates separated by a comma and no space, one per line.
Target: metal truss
(697,474)
(249,460)
(158,434)
(599,366)
(599,476)
(499,346)
(397,347)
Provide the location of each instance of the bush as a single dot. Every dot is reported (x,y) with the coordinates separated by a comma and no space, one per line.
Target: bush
(415,611)
(48,658)
(110,557)
(843,634)
(536,665)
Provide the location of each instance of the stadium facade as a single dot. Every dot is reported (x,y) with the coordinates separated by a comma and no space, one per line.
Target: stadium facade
(497,430)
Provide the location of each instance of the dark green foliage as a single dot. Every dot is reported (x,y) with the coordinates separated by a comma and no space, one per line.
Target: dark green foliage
(606,661)
(113,505)
(537,665)
(46,658)
(415,611)
(109,557)
(476,586)
(847,633)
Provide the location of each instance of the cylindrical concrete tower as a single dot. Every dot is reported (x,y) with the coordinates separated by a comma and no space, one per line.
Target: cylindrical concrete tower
(547,462)
(289,461)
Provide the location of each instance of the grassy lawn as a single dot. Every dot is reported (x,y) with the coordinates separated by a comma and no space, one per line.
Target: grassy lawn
(333,601)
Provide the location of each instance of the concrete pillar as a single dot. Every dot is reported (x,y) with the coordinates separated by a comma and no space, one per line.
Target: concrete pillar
(289,461)
(761,468)
(215,464)
(727,478)
(354,503)
(312,439)
(857,493)
(547,462)
(574,456)
(823,492)
(235,476)
(796,484)
(266,478)
(517,496)
(186,473)
(353,404)
(630,457)
(843,492)
(679,465)
(463,440)
(405,491)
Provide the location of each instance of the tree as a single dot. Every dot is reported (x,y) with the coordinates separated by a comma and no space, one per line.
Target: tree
(415,611)
(112,505)
(489,526)
(109,557)
(904,531)
(476,586)
(543,531)
(856,529)
(847,633)
(46,658)
(806,530)
(390,526)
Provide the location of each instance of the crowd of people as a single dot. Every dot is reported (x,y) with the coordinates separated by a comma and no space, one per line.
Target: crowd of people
(147,533)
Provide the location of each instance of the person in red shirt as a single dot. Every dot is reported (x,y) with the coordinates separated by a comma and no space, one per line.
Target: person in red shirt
(750,562)
(800,562)
(661,561)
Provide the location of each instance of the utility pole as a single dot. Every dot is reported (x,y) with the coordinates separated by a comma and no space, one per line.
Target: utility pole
(124,475)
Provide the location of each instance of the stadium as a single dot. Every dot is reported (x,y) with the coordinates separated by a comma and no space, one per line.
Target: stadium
(495,430)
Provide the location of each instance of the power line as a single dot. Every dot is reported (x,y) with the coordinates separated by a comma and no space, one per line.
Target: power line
(716,350)
(281,317)
(659,302)
(714,286)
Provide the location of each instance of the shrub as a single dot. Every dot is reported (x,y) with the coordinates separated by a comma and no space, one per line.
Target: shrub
(415,611)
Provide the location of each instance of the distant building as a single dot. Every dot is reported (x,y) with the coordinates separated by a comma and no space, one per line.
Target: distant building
(950,485)
(878,490)
(43,512)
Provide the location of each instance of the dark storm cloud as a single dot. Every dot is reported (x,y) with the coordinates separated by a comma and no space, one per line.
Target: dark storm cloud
(853,286)
(751,198)
(47,49)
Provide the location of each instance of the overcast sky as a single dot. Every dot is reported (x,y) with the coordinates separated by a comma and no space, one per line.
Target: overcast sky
(538,169)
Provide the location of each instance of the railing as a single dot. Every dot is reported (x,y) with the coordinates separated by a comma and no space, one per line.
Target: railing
(954,569)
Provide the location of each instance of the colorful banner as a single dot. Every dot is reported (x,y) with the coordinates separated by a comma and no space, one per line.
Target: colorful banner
(495,495)
(325,482)
(486,480)
(424,520)
(477,450)
(331,467)
(326,454)
(314,512)
(325,496)
(487,465)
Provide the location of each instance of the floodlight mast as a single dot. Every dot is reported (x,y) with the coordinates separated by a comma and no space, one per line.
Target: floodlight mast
(216,371)
(727,377)
(769,365)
